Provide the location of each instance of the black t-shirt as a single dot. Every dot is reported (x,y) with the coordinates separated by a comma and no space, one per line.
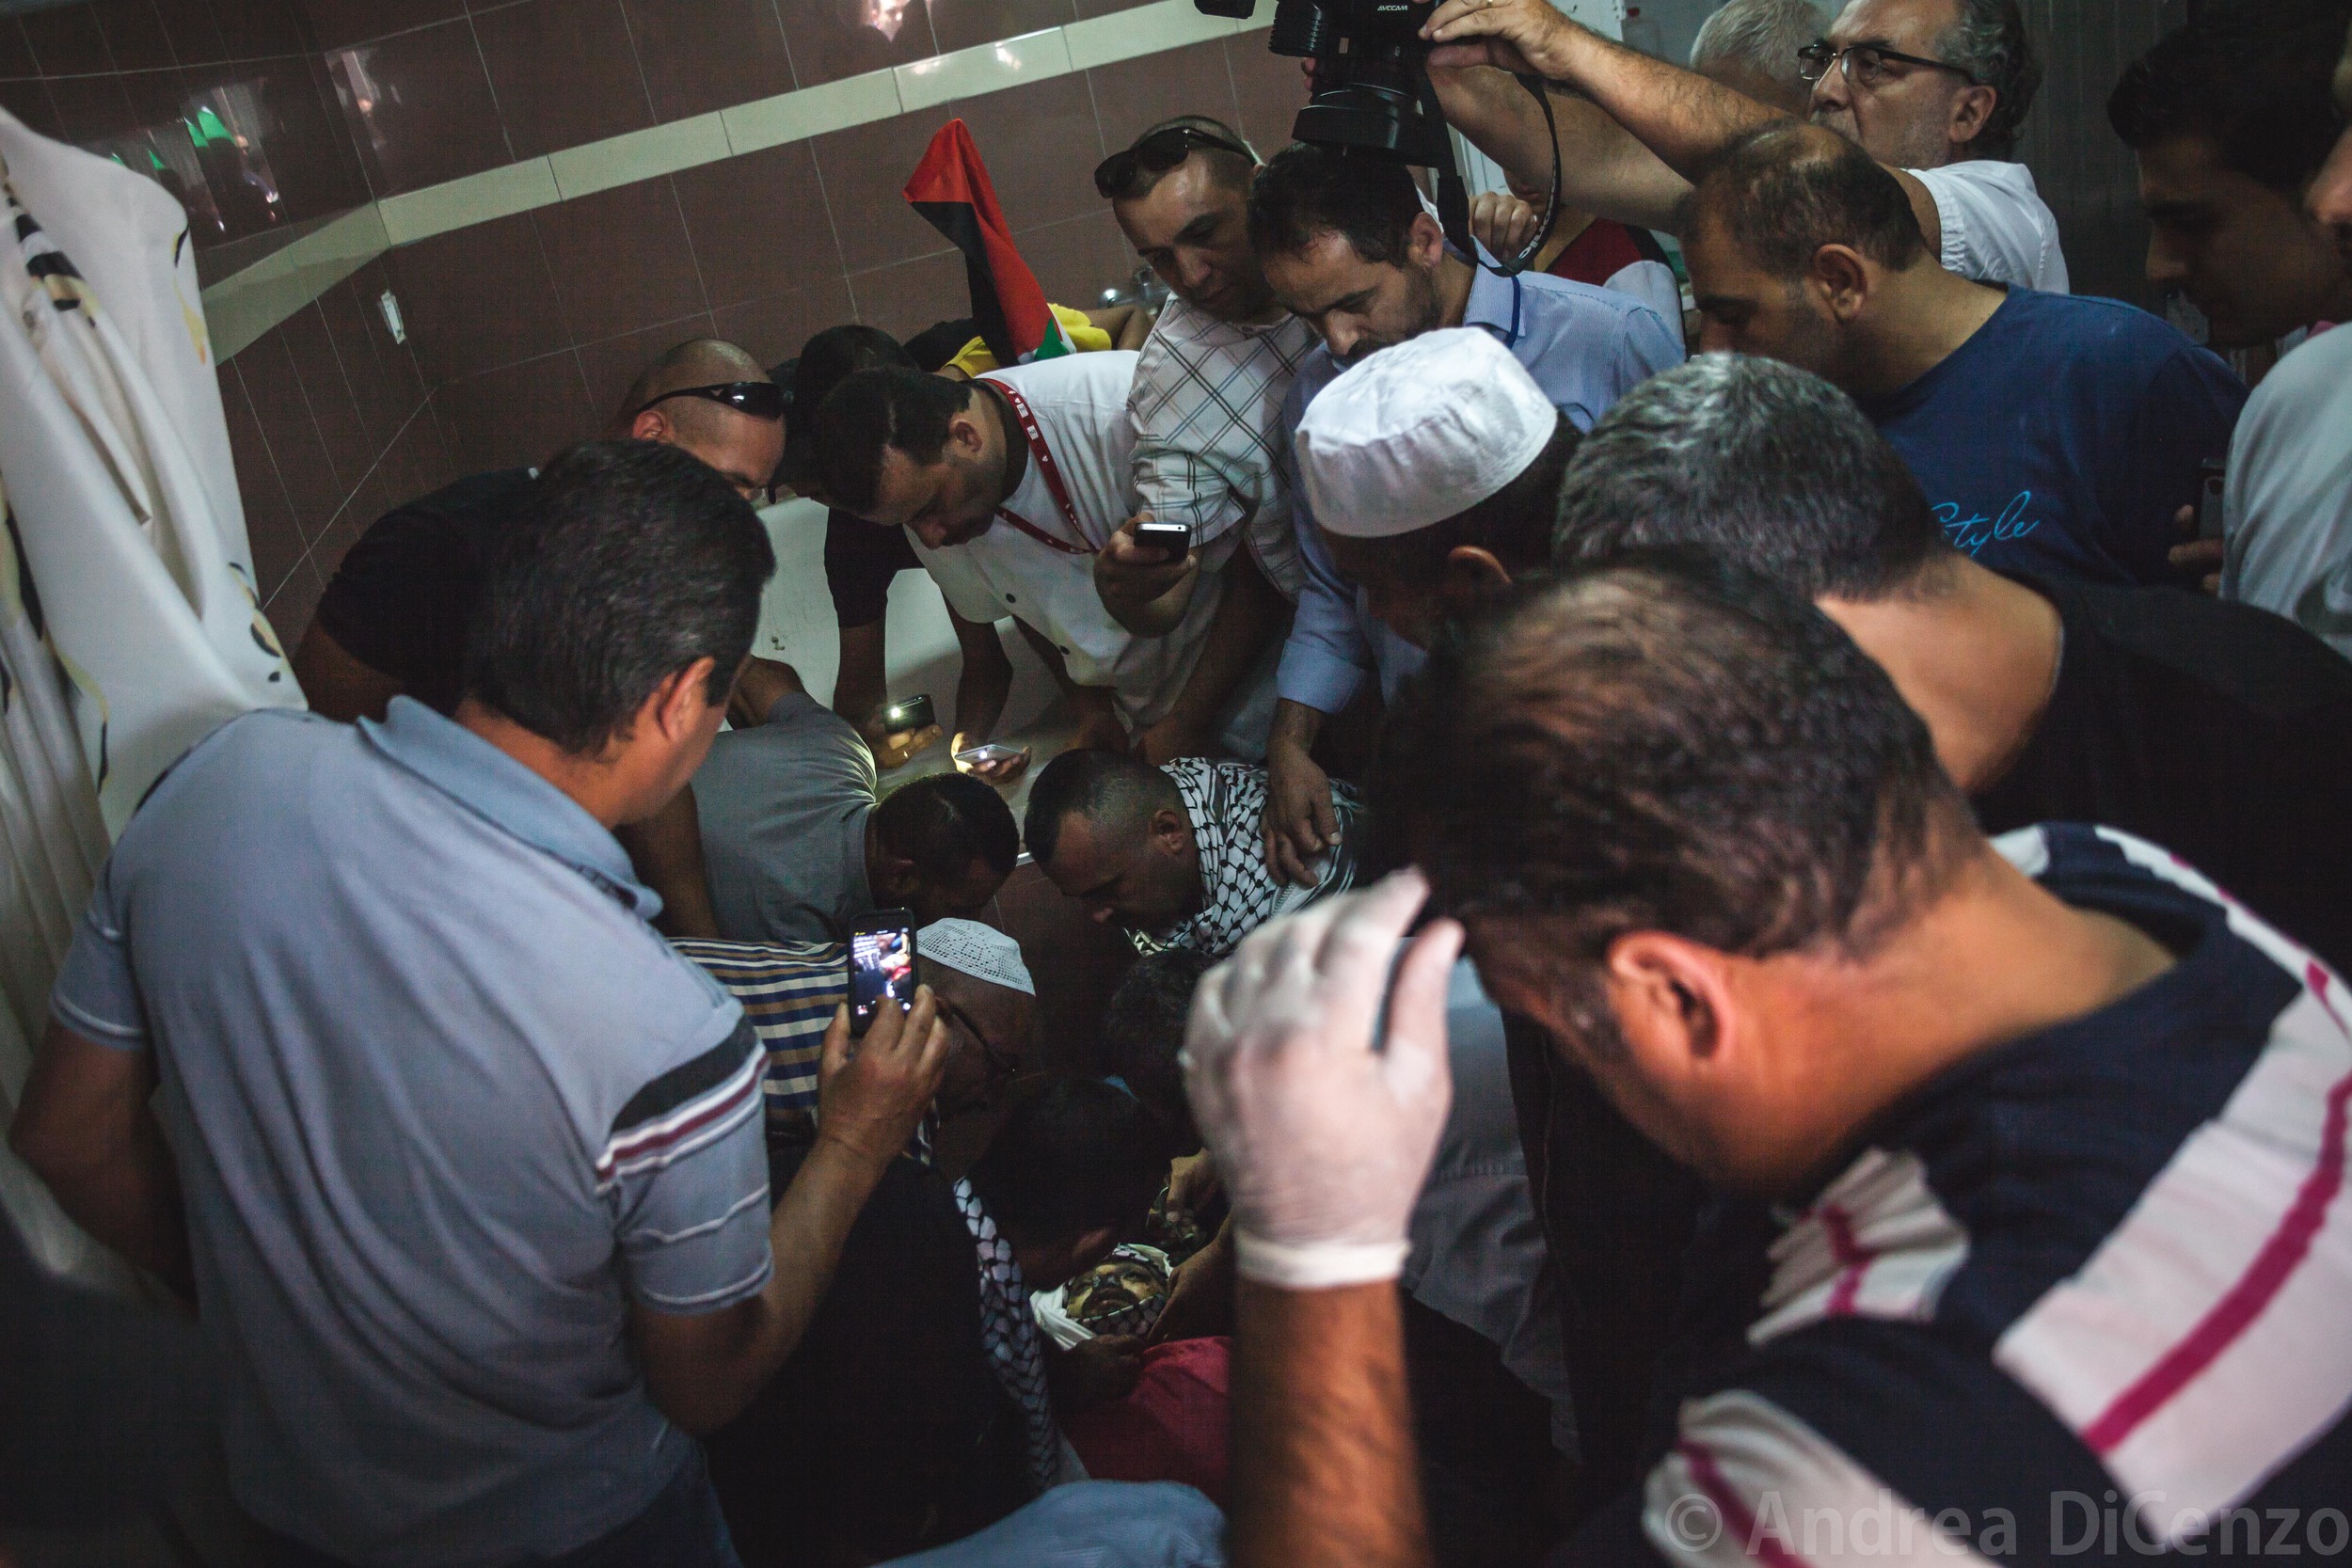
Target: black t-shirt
(860,561)
(2218,731)
(400,601)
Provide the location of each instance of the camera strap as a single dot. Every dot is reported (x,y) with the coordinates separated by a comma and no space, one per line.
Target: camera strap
(1454,196)
(1048,470)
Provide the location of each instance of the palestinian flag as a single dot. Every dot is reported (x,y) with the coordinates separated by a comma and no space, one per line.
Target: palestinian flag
(950,188)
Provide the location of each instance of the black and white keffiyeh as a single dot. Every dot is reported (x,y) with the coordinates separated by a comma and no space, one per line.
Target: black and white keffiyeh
(1008,1334)
(1238,892)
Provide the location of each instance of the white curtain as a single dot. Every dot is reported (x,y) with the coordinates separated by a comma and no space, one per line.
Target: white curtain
(129,629)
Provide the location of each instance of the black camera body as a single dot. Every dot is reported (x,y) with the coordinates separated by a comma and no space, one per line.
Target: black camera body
(1369,80)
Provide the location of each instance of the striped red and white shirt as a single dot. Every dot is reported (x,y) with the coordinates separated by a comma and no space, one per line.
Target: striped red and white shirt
(2087,1293)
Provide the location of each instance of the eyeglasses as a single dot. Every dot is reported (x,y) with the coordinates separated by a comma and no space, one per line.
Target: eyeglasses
(1864,64)
(1158,153)
(998,1064)
(761,400)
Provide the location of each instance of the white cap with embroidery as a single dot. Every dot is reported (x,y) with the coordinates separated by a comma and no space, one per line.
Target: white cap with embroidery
(1420,431)
(980,951)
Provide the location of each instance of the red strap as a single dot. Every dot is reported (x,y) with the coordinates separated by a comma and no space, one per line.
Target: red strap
(1048,470)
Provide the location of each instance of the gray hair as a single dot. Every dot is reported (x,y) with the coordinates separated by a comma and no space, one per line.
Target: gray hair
(1989,43)
(1763,35)
(1759,464)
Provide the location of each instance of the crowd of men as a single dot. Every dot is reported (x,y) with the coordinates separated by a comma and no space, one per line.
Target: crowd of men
(1735,950)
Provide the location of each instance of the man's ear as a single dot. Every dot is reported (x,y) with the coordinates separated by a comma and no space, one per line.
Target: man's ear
(1840,279)
(1172,830)
(1472,572)
(892,876)
(1425,242)
(1673,1003)
(964,434)
(651,424)
(676,707)
(1971,107)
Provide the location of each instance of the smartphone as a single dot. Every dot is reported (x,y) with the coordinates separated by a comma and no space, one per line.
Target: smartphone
(882,965)
(2209,499)
(914,714)
(1173,538)
(979,755)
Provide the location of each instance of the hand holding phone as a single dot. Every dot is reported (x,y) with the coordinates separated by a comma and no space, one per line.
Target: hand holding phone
(991,763)
(1173,540)
(908,717)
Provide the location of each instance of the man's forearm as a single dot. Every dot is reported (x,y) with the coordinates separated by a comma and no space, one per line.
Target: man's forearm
(667,851)
(1323,1470)
(83,1125)
(983,686)
(1680,116)
(1295,724)
(1251,614)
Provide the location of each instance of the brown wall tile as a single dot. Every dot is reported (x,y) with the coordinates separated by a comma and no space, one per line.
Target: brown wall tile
(564,71)
(1075,262)
(381,395)
(774,326)
(520,414)
(704,55)
(195,36)
(906,298)
(621,259)
(338,23)
(16,55)
(1134,95)
(477,299)
(832,39)
(27,97)
(290,607)
(1088,9)
(135,34)
(260,30)
(419,107)
(962,23)
(865,170)
(67,41)
(1040,144)
(90,108)
(609,367)
(272,383)
(399,361)
(269,519)
(1272,90)
(759,223)
(319,369)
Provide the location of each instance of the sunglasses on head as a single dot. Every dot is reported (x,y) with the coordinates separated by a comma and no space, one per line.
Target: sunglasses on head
(1156,154)
(761,400)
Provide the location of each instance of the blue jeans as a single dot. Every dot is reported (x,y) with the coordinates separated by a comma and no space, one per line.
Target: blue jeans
(1095,1523)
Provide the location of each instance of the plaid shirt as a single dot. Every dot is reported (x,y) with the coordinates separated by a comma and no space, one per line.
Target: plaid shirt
(1238,893)
(1207,406)
(789,992)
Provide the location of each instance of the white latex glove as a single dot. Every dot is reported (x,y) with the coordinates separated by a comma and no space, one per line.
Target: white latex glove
(1323,1142)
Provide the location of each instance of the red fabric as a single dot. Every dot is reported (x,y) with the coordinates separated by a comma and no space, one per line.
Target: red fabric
(1172,1427)
(951,189)
(1604,250)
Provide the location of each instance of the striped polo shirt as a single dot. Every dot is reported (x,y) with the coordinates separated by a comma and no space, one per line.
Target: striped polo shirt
(790,992)
(2084,1293)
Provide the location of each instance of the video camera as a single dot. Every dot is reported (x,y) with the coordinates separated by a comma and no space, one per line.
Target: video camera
(1372,93)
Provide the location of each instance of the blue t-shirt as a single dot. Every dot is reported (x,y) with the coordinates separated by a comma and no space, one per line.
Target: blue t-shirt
(2065,435)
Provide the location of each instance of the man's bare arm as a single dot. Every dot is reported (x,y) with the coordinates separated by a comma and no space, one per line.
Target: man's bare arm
(1251,615)
(985,682)
(1681,117)
(667,851)
(1324,1468)
(337,683)
(702,1370)
(86,1126)
(1603,169)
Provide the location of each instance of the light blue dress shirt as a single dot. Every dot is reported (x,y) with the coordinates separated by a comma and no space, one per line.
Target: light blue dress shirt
(1586,347)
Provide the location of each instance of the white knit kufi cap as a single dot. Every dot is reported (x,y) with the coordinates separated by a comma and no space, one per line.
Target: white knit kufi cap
(1419,433)
(980,951)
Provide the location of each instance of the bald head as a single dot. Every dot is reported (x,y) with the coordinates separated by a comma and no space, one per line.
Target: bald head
(744,447)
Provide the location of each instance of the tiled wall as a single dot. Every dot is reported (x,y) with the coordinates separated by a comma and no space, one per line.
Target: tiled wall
(532,326)
(225,102)
(332,424)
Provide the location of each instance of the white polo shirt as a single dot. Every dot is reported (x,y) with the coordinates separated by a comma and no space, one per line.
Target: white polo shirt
(1996,226)
(1079,402)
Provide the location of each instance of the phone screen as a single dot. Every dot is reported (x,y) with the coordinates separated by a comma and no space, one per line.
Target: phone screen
(882,964)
